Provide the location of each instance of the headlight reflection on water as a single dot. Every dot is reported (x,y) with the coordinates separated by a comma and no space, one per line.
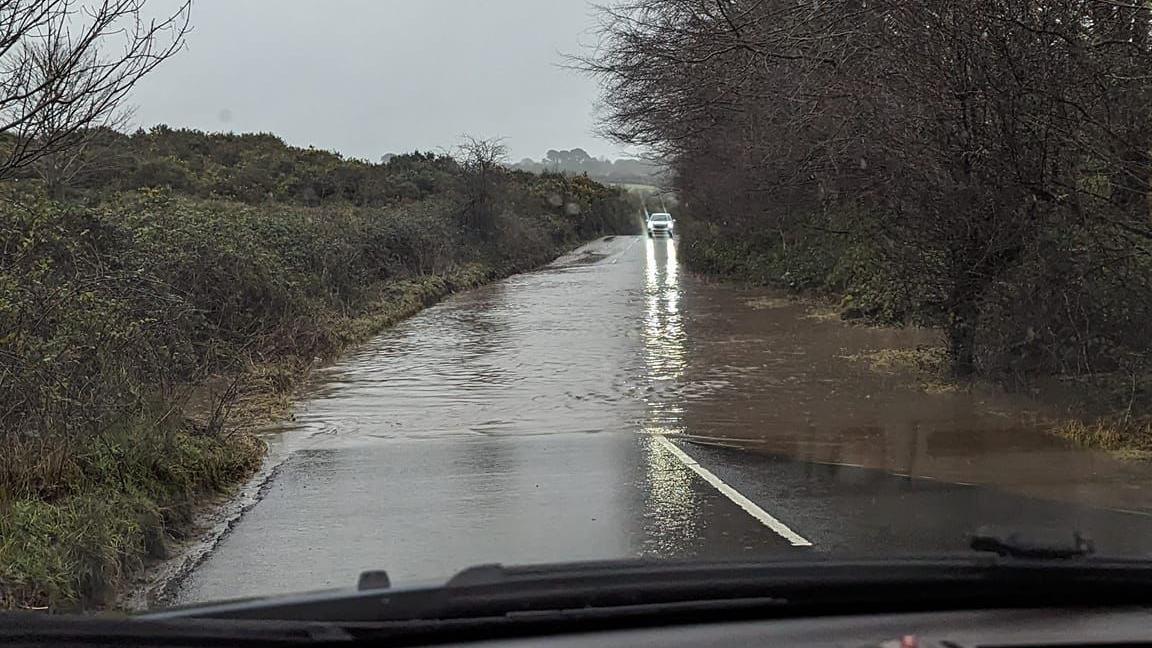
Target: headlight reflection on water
(671,502)
(663,335)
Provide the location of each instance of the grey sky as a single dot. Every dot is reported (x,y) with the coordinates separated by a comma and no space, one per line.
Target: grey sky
(368,77)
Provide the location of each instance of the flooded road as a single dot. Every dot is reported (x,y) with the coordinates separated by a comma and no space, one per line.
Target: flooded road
(612,406)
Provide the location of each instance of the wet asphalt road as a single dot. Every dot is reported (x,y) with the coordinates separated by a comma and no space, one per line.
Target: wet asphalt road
(529,421)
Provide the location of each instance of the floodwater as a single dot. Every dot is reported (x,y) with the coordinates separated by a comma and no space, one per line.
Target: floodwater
(609,405)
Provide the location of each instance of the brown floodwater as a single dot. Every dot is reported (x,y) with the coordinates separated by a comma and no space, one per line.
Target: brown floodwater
(754,369)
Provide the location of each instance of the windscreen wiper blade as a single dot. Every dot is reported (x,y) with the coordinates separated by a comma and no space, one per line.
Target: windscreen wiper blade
(790,587)
(1044,544)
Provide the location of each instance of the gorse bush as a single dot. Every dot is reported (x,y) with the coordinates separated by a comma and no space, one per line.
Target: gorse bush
(254,168)
(87,330)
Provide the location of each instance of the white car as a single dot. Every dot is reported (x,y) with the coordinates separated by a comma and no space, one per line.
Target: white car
(661,223)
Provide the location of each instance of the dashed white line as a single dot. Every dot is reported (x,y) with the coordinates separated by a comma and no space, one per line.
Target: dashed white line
(764,517)
(621,252)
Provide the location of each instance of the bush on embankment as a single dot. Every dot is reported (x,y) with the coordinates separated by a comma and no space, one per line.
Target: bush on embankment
(131,323)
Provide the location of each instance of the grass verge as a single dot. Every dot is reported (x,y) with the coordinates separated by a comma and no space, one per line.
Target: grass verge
(117,498)
(1125,437)
(927,364)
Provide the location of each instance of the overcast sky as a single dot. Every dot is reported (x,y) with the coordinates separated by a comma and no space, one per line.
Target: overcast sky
(369,77)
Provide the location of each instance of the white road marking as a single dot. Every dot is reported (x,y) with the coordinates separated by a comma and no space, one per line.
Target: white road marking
(1131,512)
(621,253)
(765,518)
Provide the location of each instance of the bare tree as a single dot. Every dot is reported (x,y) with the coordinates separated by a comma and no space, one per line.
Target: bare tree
(66,67)
(482,161)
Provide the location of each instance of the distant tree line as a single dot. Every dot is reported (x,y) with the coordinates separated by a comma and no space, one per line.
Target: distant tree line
(578,161)
(978,165)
